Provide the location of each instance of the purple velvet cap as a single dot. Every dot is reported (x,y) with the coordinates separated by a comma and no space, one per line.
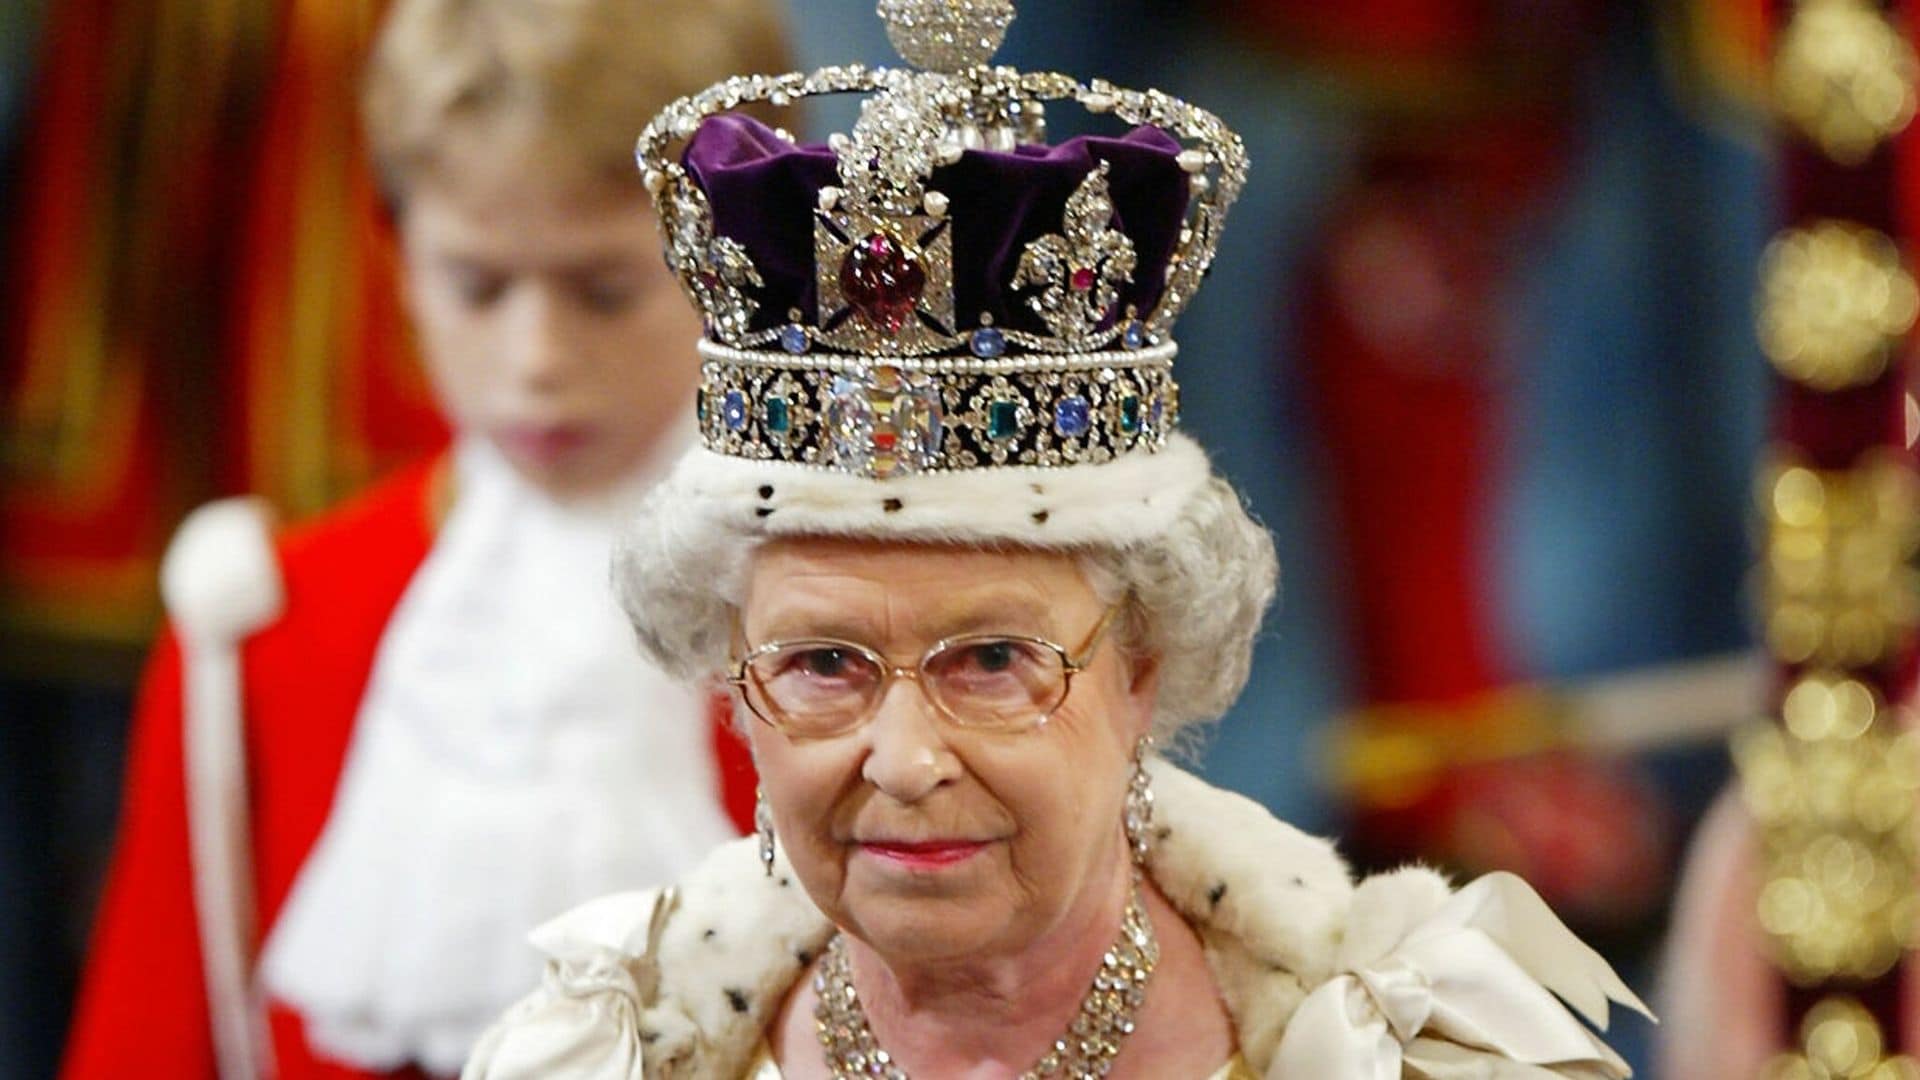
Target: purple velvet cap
(763,189)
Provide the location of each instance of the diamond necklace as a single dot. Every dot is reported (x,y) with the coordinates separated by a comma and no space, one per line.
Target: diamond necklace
(1084,1052)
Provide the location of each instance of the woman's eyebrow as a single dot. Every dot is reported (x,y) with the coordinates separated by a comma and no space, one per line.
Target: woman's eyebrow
(1012,612)
(789,625)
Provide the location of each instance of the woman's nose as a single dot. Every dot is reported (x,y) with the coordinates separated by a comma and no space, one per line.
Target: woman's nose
(908,758)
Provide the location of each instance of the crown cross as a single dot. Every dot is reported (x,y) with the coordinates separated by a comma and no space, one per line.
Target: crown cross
(947,35)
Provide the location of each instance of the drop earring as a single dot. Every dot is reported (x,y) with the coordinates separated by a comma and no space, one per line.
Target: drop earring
(1138,817)
(763,827)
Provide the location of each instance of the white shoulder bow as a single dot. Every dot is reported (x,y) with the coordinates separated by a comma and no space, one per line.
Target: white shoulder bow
(585,1021)
(1467,989)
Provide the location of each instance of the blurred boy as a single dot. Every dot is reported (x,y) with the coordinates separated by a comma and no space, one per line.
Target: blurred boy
(359,740)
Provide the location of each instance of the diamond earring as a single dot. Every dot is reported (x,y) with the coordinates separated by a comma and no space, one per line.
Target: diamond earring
(1138,818)
(763,828)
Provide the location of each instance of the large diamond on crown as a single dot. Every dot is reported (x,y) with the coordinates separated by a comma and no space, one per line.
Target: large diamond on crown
(885,283)
(884,422)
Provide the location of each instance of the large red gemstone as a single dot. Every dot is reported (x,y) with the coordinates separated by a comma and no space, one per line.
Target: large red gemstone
(1083,279)
(883,281)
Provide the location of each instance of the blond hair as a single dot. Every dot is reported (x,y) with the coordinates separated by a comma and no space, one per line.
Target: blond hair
(583,75)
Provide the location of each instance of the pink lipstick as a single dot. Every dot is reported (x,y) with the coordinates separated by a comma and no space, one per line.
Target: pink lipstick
(924,855)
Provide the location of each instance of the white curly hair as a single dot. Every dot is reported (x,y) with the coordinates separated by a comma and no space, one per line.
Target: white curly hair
(1197,581)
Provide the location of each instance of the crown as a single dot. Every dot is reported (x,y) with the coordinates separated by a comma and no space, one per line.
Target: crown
(939,289)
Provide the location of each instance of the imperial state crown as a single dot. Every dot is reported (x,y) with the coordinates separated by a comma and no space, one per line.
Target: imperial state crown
(939,289)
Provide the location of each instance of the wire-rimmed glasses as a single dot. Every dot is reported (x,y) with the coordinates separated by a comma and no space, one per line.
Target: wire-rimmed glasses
(820,687)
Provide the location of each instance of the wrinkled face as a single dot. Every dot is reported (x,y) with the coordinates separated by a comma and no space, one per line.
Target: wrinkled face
(926,841)
(547,318)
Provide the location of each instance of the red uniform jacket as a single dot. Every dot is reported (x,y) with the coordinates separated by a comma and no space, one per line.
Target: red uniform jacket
(143,1004)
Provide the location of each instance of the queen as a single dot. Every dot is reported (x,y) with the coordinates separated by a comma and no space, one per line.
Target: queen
(945,542)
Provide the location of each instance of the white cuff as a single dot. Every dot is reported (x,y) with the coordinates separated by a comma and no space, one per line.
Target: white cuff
(590,1019)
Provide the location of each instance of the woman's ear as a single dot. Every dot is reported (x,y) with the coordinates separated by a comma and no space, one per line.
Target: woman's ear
(1143,685)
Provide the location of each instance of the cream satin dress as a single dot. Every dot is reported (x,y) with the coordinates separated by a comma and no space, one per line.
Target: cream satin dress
(763,1068)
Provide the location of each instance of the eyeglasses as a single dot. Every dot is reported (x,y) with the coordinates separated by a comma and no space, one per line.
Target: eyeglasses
(820,687)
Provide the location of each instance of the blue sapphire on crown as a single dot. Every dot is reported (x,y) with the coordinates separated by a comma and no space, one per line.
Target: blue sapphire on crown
(1073,416)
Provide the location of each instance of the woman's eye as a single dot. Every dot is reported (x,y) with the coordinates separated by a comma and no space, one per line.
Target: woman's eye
(984,659)
(825,663)
(816,667)
(993,656)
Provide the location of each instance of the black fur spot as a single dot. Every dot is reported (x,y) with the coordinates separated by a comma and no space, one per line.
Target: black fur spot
(649,1037)
(1038,490)
(1163,832)
(1298,881)
(1215,894)
(766,491)
(785,882)
(709,935)
(736,999)
(892,506)
(805,957)
(1040,517)
(764,511)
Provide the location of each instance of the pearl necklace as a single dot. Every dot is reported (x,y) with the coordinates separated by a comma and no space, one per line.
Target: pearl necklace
(1086,1051)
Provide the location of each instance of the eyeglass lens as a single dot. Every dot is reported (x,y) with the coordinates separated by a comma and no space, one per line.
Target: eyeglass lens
(980,682)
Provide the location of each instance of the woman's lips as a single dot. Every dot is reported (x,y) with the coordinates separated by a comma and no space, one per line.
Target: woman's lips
(924,854)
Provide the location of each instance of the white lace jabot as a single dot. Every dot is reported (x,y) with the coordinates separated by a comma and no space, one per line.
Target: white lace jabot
(514,756)
(1401,977)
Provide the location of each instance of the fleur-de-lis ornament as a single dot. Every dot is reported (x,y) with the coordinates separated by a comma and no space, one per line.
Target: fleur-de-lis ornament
(715,269)
(1080,269)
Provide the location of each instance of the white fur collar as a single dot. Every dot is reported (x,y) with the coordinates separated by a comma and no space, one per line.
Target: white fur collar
(1401,976)
(716,957)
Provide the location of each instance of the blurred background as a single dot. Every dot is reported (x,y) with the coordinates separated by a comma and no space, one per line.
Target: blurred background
(1479,348)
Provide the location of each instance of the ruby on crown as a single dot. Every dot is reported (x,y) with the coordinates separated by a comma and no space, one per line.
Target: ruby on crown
(883,285)
(882,281)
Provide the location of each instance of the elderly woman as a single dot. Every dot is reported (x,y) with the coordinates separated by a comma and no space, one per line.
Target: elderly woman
(963,578)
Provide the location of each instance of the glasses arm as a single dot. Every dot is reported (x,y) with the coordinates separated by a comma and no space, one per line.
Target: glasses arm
(1077,664)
